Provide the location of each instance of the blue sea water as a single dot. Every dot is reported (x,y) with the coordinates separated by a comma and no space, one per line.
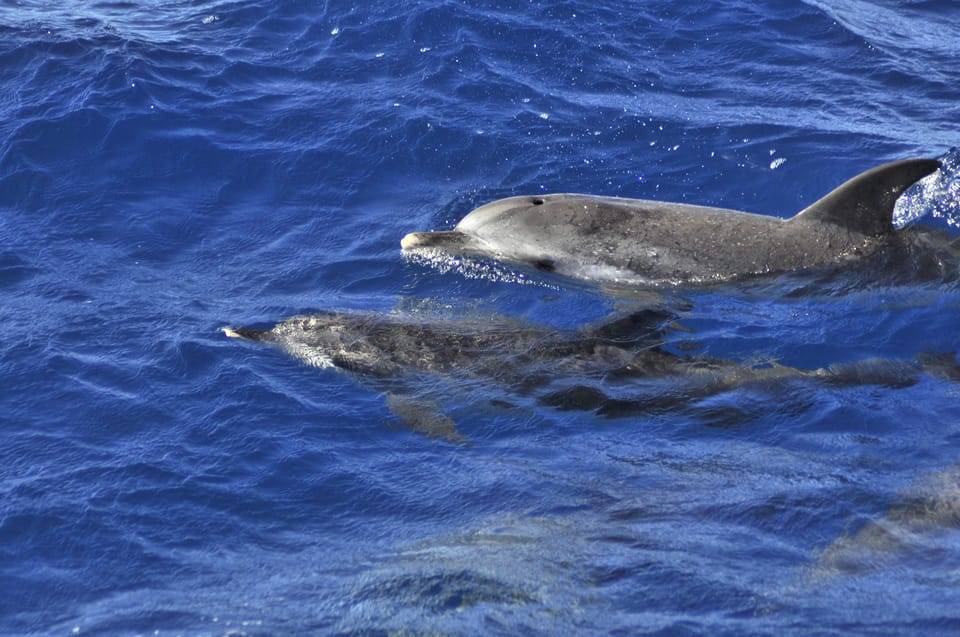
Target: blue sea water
(168,167)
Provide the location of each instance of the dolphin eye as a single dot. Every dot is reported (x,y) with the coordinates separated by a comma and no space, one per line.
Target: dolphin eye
(537,202)
(544,265)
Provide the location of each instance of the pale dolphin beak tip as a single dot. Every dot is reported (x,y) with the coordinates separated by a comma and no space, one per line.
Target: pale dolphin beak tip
(444,240)
(411,241)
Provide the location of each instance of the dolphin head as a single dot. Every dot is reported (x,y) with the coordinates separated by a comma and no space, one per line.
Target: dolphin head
(480,232)
(331,339)
(522,230)
(570,234)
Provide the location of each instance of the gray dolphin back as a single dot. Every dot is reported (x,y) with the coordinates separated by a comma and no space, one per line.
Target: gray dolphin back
(640,241)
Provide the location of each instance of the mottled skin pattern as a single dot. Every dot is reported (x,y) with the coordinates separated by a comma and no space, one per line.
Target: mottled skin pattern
(632,240)
(384,346)
(565,370)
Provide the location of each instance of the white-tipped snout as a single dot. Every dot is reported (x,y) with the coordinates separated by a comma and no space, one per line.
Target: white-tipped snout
(452,240)
(412,241)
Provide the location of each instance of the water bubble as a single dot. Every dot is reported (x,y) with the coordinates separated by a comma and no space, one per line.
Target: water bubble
(335,31)
(209,19)
(471,268)
(936,195)
(776,163)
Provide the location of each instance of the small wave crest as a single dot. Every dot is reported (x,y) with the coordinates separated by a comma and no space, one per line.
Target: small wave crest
(937,195)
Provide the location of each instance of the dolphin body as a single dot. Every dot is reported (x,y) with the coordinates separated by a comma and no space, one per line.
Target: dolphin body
(912,526)
(618,368)
(610,239)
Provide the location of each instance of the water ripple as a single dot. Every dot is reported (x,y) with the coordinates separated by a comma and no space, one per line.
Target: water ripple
(168,168)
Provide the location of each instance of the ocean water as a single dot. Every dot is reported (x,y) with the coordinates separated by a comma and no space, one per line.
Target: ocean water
(168,167)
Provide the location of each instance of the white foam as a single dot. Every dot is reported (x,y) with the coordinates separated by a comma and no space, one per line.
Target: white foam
(937,195)
(469,268)
(308,355)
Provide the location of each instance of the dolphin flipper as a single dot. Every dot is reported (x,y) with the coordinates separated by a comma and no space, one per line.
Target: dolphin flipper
(865,203)
(424,417)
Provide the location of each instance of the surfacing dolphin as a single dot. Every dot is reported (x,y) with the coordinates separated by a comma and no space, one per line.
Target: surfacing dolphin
(618,368)
(610,239)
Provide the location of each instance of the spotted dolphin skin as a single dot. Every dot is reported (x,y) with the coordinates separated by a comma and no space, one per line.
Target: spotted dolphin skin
(615,369)
(637,241)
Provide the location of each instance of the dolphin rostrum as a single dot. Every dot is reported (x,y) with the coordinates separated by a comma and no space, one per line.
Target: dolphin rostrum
(618,368)
(610,239)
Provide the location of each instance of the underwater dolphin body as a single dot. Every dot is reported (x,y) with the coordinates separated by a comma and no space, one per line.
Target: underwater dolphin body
(617,368)
(610,239)
(920,522)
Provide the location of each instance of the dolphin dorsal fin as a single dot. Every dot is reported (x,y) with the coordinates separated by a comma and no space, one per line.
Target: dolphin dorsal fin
(643,326)
(865,203)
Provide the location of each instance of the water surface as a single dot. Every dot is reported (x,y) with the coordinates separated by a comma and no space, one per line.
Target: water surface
(170,167)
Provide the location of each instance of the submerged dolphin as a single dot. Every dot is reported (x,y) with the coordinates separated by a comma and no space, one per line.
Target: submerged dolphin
(615,369)
(638,241)
(910,528)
